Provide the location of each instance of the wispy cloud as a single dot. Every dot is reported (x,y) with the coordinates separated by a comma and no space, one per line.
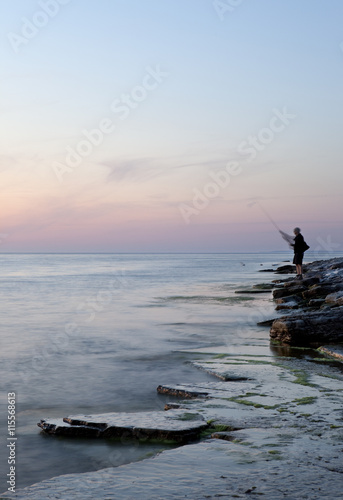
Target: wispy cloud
(135,170)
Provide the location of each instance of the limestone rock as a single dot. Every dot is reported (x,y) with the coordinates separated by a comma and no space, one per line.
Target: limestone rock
(334,299)
(334,352)
(321,290)
(181,392)
(287,291)
(312,327)
(175,425)
(225,436)
(288,298)
(287,269)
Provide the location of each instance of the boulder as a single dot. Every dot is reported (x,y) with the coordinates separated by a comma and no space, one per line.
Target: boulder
(322,290)
(267,322)
(289,290)
(334,299)
(288,269)
(311,327)
(337,265)
(288,299)
(288,305)
(311,280)
(316,303)
(289,302)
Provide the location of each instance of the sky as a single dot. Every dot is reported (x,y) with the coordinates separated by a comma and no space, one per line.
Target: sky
(170,126)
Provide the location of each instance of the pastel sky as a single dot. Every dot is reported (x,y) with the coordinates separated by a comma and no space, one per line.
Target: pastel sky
(151,126)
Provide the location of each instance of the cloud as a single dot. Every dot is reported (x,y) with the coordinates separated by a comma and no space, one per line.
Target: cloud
(136,170)
(144,169)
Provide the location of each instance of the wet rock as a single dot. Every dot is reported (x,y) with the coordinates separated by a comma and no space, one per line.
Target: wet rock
(212,390)
(175,425)
(253,290)
(287,269)
(310,281)
(337,265)
(171,406)
(267,322)
(211,469)
(263,286)
(287,291)
(180,392)
(266,271)
(333,351)
(322,297)
(225,436)
(312,327)
(289,302)
(288,298)
(322,290)
(220,371)
(316,303)
(289,305)
(334,299)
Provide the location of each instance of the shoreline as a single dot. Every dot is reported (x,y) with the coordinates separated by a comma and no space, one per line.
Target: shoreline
(267,406)
(314,305)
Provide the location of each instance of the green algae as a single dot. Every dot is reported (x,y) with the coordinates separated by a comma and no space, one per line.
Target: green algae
(301,377)
(189,416)
(326,375)
(215,428)
(241,400)
(308,400)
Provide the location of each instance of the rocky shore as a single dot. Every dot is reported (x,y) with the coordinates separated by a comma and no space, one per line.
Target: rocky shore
(316,305)
(269,423)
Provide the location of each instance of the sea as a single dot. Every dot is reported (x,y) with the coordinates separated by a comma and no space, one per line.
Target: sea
(95,333)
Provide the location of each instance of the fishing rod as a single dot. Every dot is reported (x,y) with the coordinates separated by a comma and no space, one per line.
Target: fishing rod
(285,236)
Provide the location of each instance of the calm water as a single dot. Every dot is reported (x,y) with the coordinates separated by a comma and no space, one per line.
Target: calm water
(95,333)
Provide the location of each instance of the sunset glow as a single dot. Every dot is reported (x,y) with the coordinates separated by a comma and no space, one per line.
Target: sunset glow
(120,121)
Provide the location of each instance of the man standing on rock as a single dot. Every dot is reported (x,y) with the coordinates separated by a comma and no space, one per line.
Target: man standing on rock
(299,248)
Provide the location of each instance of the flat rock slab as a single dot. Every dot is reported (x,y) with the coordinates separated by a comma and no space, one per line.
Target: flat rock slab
(202,390)
(210,469)
(175,425)
(221,371)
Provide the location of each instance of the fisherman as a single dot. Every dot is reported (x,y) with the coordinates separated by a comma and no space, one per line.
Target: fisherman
(299,247)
